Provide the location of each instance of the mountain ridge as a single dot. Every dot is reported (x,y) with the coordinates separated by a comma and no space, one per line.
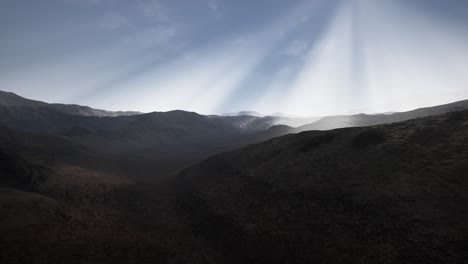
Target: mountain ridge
(179,187)
(10,99)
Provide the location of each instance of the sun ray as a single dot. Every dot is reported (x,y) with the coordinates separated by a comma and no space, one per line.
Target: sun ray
(377,56)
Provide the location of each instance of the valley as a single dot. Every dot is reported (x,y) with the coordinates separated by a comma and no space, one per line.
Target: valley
(178,187)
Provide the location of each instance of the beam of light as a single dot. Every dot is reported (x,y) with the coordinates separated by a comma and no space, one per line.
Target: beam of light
(413,59)
(69,78)
(374,56)
(285,54)
(268,103)
(321,85)
(378,56)
(202,80)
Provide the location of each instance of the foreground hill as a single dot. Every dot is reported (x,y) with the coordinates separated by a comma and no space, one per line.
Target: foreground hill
(392,193)
(59,214)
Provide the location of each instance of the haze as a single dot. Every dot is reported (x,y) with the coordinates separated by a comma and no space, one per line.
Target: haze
(313,58)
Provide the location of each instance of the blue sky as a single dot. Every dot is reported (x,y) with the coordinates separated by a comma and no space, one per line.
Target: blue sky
(301,57)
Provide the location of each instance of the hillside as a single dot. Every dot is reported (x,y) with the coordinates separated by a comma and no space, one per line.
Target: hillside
(48,214)
(114,189)
(147,146)
(392,193)
(333,122)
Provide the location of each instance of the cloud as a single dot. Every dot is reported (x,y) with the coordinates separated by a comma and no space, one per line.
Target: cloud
(304,19)
(153,9)
(151,37)
(112,21)
(83,2)
(296,48)
(206,78)
(213,5)
(158,32)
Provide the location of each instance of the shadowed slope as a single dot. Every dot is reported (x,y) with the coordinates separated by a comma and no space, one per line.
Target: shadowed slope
(385,194)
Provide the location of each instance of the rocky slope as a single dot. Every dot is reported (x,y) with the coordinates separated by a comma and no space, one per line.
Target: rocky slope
(386,194)
(49,214)
(105,189)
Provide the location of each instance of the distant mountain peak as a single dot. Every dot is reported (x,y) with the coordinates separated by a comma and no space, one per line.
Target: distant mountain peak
(244,113)
(12,99)
(9,99)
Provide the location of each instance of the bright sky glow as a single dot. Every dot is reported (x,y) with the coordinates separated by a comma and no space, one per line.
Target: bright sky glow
(301,57)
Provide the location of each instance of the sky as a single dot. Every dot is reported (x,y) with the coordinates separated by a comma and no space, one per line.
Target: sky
(299,57)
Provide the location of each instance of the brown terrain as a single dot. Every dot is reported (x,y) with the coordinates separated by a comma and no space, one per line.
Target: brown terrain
(119,193)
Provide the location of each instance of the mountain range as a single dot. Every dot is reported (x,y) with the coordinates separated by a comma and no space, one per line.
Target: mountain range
(81,185)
